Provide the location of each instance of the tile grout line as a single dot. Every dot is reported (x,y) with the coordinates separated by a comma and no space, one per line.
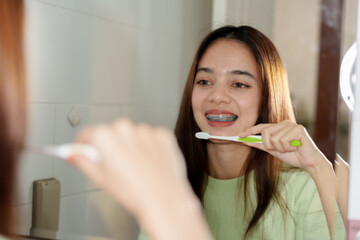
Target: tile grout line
(107,19)
(64,196)
(105,105)
(53,141)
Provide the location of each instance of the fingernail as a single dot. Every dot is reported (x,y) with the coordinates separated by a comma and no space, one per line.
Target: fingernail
(71,159)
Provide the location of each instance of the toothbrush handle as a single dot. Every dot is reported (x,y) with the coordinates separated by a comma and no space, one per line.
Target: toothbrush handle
(229,138)
(258,139)
(296,143)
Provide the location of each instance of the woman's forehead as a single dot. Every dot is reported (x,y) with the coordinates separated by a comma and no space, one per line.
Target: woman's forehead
(226,55)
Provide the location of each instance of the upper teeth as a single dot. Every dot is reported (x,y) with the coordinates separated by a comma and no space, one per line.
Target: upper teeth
(221,117)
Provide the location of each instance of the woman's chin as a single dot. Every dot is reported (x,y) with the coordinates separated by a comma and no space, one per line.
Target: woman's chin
(222,132)
(218,141)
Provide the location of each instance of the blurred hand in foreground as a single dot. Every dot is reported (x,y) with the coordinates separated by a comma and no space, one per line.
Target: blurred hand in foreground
(143,169)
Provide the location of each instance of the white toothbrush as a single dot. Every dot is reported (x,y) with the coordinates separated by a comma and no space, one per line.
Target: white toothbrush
(66,150)
(249,139)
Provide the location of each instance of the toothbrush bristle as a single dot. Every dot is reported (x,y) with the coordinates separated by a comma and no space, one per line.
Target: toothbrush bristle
(202,135)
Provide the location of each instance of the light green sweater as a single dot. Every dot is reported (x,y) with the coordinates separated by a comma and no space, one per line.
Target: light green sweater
(224,209)
(3,238)
(225,212)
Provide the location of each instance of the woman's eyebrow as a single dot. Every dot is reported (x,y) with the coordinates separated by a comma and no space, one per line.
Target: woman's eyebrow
(241,72)
(236,72)
(204,69)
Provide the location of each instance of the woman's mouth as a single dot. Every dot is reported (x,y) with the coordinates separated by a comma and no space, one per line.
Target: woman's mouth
(220,118)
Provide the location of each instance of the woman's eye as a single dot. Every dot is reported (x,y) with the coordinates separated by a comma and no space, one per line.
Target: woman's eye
(240,85)
(203,82)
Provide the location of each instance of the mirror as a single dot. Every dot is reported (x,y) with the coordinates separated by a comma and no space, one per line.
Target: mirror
(94,61)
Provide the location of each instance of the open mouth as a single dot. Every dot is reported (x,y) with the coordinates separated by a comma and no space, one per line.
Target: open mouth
(221,117)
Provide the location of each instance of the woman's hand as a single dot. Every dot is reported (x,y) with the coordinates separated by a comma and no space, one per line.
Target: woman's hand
(144,169)
(276,140)
(133,158)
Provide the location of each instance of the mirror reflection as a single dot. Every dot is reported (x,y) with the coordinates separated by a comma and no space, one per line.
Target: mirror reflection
(91,62)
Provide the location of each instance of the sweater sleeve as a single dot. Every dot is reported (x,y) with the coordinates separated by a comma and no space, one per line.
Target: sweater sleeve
(310,216)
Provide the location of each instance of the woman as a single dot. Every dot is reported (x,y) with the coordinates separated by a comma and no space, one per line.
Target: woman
(137,172)
(237,85)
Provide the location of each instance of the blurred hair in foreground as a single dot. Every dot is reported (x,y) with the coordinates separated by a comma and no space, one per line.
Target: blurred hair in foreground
(12,106)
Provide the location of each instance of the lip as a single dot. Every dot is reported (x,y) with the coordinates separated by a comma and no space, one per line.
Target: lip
(216,111)
(220,123)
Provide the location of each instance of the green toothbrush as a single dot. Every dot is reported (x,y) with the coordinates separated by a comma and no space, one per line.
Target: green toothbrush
(249,139)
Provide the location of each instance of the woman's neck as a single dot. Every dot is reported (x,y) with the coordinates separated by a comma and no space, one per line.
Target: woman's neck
(226,160)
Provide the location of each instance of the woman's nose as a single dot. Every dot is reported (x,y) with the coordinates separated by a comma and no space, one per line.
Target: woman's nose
(219,95)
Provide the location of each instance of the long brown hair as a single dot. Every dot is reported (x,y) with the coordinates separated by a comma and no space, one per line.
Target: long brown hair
(12,106)
(275,107)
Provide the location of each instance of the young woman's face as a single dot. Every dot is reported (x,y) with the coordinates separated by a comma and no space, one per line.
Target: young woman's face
(227,89)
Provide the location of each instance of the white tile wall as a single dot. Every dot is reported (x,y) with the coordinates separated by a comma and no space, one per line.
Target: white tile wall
(108,59)
(33,166)
(154,15)
(73,214)
(153,115)
(157,57)
(256,13)
(24,213)
(90,60)
(114,64)
(98,215)
(60,56)
(72,181)
(107,218)
(88,115)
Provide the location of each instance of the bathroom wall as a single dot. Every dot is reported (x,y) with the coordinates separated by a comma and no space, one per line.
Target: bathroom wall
(295,36)
(97,61)
(297,39)
(296,32)
(255,13)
